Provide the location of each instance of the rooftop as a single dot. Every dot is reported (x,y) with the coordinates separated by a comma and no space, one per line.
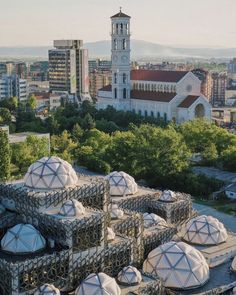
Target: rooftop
(188,101)
(157,76)
(120,14)
(152,95)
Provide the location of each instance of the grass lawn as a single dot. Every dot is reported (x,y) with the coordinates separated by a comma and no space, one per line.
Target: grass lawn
(223,205)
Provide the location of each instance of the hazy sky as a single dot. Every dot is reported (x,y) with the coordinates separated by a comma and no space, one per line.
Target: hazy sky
(172,22)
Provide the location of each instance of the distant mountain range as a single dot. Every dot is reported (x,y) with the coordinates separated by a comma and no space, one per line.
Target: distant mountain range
(139,49)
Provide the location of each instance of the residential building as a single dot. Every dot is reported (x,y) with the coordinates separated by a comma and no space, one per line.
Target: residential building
(219,85)
(68,68)
(13,86)
(206,82)
(172,95)
(230,94)
(38,71)
(21,70)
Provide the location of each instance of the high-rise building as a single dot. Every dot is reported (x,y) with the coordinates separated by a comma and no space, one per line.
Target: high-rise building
(206,80)
(97,80)
(68,68)
(21,70)
(219,85)
(120,55)
(11,86)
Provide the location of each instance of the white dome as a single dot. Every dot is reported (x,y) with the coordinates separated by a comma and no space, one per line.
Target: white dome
(98,284)
(72,208)
(50,173)
(233,265)
(168,196)
(2,209)
(179,265)
(47,290)
(153,220)
(23,239)
(205,230)
(116,212)
(121,184)
(130,276)
(110,234)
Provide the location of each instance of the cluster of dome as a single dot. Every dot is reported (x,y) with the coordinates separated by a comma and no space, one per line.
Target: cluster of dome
(168,196)
(50,173)
(72,208)
(23,239)
(47,290)
(205,230)
(129,276)
(98,284)
(121,184)
(151,219)
(179,265)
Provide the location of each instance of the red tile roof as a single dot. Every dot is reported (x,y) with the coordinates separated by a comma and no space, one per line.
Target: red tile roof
(188,101)
(158,76)
(120,14)
(152,95)
(106,88)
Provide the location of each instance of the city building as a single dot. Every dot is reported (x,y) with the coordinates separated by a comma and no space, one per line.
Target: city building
(68,68)
(21,70)
(230,93)
(99,64)
(172,95)
(38,71)
(97,80)
(219,85)
(206,82)
(13,86)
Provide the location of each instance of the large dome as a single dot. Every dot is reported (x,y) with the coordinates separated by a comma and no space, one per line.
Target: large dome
(23,239)
(129,276)
(121,184)
(98,284)
(179,265)
(50,173)
(47,290)
(205,230)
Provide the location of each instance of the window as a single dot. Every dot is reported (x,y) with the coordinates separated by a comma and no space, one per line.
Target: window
(121,28)
(124,44)
(115,92)
(152,114)
(145,113)
(127,29)
(124,93)
(140,112)
(115,44)
(158,115)
(124,78)
(115,78)
(165,117)
(117,28)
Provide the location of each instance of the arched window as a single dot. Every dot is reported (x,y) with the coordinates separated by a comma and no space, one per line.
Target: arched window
(115,91)
(117,29)
(124,78)
(140,112)
(124,93)
(199,111)
(145,113)
(165,117)
(115,78)
(158,115)
(152,114)
(121,28)
(115,44)
(127,29)
(124,44)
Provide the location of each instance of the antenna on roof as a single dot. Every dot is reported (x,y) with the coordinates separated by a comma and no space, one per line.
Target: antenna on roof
(120,8)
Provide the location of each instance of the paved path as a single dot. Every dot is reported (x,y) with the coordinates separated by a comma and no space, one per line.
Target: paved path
(228,220)
(225,176)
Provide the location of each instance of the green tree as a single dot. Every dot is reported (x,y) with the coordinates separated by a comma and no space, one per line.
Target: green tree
(77,133)
(5,116)
(32,102)
(88,122)
(9,103)
(4,156)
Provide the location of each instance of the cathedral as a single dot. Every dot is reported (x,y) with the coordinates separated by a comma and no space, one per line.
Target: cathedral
(171,95)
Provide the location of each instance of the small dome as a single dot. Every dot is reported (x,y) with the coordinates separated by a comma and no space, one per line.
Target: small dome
(179,265)
(116,212)
(205,230)
(121,184)
(168,196)
(23,239)
(47,290)
(110,234)
(50,173)
(72,208)
(153,220)
(233,265)
(98,284)
(129,276)
(2,209)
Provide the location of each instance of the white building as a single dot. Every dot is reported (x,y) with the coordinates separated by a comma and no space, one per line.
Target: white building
(13,86)
(172,95)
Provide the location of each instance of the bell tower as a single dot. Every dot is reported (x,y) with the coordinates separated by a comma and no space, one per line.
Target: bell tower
(120,55)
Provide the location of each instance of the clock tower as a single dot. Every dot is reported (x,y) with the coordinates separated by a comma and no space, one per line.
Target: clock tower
(120,55)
